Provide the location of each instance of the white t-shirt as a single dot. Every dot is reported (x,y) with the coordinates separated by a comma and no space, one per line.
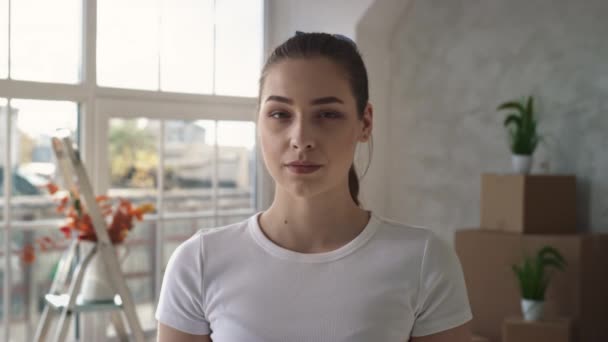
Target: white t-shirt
(389,283)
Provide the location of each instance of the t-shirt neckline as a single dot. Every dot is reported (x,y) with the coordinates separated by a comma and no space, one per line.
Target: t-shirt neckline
(286,254)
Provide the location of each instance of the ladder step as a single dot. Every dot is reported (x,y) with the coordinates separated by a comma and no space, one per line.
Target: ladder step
(60,301)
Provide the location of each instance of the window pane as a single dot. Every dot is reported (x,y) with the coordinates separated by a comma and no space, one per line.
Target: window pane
(238,47)
(2,267)
(127,44)
(236,140)
(138,269)
(3,111)
(33,162)
(133,156)
(186,54)
(189,150)
(46,40)
(31,282)
(3,38)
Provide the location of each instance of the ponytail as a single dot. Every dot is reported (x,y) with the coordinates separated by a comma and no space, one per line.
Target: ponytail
(353,184)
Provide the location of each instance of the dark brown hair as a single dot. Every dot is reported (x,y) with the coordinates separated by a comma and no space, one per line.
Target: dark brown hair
(341,51)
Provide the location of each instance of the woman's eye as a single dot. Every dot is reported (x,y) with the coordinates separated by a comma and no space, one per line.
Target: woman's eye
(279,115)
(330,115)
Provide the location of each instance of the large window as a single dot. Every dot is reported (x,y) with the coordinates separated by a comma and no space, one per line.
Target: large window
(45,40)
(3,38)
(33,162)
(28,165)
(159,96)
(196,46)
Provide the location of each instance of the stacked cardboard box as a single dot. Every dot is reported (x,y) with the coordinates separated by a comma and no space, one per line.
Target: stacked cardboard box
(515,329)
(529,204)
(487,254)
(477,338)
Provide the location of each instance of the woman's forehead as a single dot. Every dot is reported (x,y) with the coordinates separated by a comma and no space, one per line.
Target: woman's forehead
(306,78)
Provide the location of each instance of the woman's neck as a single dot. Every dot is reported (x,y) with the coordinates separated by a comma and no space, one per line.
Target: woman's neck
(313,225)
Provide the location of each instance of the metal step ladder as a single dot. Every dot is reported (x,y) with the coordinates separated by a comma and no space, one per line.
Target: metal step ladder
(67,304)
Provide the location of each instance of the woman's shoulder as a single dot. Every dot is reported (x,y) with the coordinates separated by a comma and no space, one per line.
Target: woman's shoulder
(214,236)
(403,231)
(435,254)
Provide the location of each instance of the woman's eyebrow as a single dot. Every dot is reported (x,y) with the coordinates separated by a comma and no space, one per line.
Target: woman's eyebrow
(326,100)
(319,101)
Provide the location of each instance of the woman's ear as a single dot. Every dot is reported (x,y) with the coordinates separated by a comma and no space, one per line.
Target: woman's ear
(368,123)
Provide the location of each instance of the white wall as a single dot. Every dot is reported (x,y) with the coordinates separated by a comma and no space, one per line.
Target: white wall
(374,38)
(454,62)
(331,16)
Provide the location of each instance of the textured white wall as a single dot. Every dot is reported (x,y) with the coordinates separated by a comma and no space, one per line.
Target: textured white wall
(375,33)
(332,16)
(453,62)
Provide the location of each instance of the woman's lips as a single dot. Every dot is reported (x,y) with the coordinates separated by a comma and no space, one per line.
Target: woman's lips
(303,169)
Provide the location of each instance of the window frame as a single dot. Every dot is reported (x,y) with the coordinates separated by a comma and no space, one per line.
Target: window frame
(97,105)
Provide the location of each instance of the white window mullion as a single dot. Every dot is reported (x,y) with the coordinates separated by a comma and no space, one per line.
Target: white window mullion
(255,183)
(158,257)
(162,109)
(89,45)
(89,137)
(266,31)
(8,184)
(136,94)
(87,117)
(42,90)
(100,149)
(215,181)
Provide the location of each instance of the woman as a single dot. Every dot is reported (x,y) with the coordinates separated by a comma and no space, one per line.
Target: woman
(315,266)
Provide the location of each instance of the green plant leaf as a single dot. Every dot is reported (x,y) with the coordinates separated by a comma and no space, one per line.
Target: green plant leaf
(532,275)
(529,278)
(512,105)
(552,262)
(530,106)
(549,251)
(522,125)
(78,207)
(513,119)
(516,270)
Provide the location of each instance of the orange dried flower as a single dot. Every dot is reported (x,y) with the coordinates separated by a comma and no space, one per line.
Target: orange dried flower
(28,255)
(79,221)
(52,188)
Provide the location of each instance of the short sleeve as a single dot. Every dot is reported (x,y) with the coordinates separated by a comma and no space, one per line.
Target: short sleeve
(443,301)
(180,305)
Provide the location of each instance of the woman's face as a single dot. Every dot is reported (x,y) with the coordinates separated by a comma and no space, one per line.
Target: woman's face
(308,125)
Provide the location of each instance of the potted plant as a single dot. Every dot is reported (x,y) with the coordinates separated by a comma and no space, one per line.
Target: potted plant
(120,219)
(534,279)
(523,137)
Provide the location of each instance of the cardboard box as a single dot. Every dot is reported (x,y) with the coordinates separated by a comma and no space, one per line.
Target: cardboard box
(477,338)
(580,292)
(515,329)
(531,204)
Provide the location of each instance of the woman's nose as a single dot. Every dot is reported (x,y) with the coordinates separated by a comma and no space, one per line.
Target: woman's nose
(302,137)
(306,146)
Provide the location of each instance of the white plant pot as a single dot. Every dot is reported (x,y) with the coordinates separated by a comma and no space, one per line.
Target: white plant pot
(96,284)
(532,310)
(521,163)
